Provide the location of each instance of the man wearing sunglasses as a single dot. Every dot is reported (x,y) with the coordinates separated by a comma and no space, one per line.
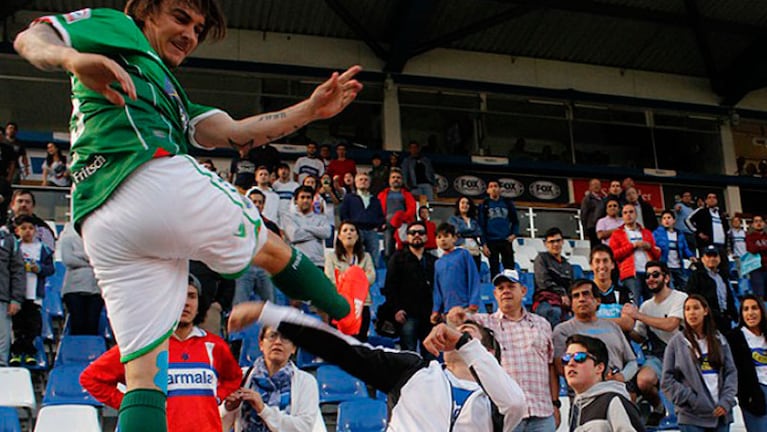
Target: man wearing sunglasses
(599,404)
(408,288)
(657,320)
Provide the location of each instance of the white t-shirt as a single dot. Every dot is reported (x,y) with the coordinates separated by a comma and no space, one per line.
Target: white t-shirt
(306,166)
(738,238)
(640,256)
(758,346)
(31,253)
(673,250)
(717,228)
(671,306)
(710,375)
(638,209)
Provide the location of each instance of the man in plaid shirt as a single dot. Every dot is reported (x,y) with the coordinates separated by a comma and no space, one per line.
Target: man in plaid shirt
(527,351)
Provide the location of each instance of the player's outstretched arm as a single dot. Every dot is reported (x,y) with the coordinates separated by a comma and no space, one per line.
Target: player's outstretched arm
(327,100)
(42,46)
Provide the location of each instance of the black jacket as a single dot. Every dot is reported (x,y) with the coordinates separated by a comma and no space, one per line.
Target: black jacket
(699,222)
(750,395)
(409,283)
(701,283)
(648,215)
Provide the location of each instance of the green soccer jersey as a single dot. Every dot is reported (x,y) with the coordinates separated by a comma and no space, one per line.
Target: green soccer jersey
(110,142)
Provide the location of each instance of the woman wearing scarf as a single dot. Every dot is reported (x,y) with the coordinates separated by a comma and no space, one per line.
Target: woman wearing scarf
(276,395)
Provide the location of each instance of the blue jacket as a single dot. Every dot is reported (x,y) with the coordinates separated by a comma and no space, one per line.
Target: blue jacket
(661,240)
(456,281)
(366,218)
(45,264)
(464,231)
(498,219)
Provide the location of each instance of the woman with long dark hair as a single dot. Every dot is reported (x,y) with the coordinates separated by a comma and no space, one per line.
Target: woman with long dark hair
(748,342)
(464,219)
(349,252)
(699,374)
(55,171)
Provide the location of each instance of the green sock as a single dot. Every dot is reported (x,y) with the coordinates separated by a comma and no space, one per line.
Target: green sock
(302,280)
(143,410)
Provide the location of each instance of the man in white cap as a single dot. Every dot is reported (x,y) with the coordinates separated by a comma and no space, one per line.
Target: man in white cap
(527,350)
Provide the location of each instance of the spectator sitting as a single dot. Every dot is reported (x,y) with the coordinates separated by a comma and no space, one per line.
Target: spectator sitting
(713,284)
(192,404)
(363,209)
(633,245)
(456,278)
(307,230)
(349,252)
(379,175)
(339,166)
(553,274)
(736,237)
(748,343)
(673,248)
(424,215)
(38,263)
(657,321)
(55,171)
(80,290)
(272,203)
(332,194)
(309,164)
(699,374)
(464,219)
(277,395)
(598,404)
(348,183)
(611,222)
(613,296)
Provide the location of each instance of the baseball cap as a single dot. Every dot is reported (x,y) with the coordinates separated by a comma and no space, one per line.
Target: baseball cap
(710,250)
(506,276)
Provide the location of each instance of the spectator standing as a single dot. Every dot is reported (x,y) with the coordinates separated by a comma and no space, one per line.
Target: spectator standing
(633,246)
(456,278)
(284,187)
(23,204)
(309,164)
(610,222)
(713,284)
(242,173)
(756,242)
(657,321)
(256,280)
(527,351)
(265,155)
(339,166)
(379,175)
(38,264)
(325,155)
(736,237)
(193,352)
(644,211)
(748,342)
(22,166)
(276,395)
(710,226)
(307,230)
(598,404)
(80,290)
(614,192)
(500,226)
(699,375)
(331,194)
(418,173)
(612,295)
(591,207)
(272,204)
(409,289)
(12,290)
(424,215)
(55,171)
(553,275)
(682,210)
(464,219)
(363,209)
(216,296)
(673,248)
(399,208)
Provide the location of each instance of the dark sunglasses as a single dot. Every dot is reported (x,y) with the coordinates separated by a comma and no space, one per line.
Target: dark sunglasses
(579,357)
(654,275)
(417,232)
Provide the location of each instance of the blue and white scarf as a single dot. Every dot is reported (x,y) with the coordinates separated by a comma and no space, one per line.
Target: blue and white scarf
(274,391)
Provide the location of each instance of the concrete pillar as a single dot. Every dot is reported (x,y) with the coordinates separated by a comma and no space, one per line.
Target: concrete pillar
(731,193)
(392,130)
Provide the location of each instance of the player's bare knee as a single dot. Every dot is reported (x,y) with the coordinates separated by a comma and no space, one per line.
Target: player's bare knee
(646,379)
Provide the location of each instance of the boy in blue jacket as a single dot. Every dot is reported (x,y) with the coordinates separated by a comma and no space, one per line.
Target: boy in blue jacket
(456,278)
(674,249)
(38,264)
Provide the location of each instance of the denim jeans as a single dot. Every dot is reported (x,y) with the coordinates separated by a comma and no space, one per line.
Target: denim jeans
(758,278)
(412,334)
(537,424)
(553,314)
(371,244)
(678,279)
(254,281)
(753,422)
(637,287)
(423,189)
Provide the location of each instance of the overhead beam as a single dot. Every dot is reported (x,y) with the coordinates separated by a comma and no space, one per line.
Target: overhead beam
(411,29)
(357,28)
(747,73)
(698,26)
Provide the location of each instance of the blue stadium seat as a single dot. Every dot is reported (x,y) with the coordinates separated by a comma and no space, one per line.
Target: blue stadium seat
(670,421)
(744,287)
(484,272)
(47,332)
(639,353)
(577,271)
(306,360)
(40,355)
(335,385)
(9,420)
(80,349)
(250,350)
(486,298)
(528,280)
(364,415)
(381,275)
(105,327)
(64,388)
(53,305)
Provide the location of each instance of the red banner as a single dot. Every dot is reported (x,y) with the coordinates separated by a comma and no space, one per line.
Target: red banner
(651,192)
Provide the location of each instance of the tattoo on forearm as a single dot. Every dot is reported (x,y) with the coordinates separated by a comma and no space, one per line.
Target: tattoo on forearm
(273,116)
(239,146)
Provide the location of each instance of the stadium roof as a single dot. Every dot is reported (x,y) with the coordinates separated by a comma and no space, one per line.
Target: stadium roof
(722,40)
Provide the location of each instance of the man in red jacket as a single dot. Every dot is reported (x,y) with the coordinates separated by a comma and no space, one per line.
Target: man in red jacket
(202,372)
(399,209)
(633,246)
(756,242)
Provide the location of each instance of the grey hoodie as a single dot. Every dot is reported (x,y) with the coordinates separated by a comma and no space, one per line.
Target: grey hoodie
(601,409)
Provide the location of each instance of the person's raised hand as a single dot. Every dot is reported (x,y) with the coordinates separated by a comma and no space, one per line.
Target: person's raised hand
(335,94)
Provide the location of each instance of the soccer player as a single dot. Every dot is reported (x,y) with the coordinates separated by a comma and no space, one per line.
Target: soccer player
(143,206)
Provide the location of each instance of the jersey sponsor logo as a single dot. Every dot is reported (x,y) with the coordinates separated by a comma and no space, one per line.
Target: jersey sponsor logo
(88,170)
(77,15)
(191,379)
